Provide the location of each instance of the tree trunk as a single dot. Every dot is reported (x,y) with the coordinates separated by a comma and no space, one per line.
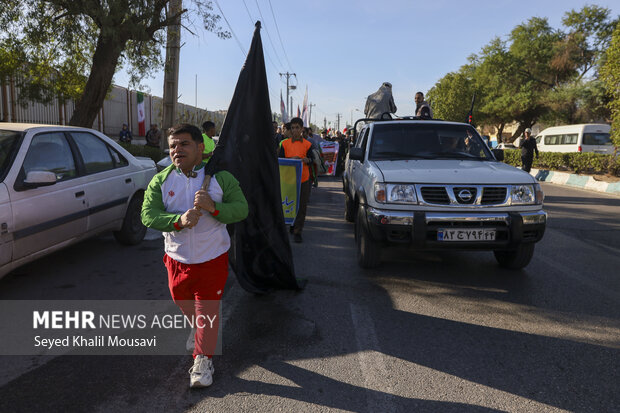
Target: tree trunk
(500,130)
(105,59)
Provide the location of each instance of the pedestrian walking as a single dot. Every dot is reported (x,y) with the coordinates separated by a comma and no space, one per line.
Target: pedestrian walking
(208,131)
(528,147)
(297,147)
(192,212)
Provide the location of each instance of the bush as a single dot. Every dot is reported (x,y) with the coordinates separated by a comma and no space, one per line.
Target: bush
(155,154)
(575,162)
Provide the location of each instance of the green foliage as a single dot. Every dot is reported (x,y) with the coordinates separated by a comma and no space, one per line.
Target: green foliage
(574,162)
(451,96)
(142,150)
(537,74)
(610,75)
(49,46)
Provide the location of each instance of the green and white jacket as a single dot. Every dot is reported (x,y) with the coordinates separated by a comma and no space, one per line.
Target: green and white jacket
(171,193)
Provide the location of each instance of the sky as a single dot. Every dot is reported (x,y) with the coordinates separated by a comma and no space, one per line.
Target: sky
(343,50)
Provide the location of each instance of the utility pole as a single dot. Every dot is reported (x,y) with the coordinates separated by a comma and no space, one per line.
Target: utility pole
(171,73)
(310,114)
(293,87)
(290,115)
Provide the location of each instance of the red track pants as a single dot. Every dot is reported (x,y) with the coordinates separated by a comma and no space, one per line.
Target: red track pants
(197,290)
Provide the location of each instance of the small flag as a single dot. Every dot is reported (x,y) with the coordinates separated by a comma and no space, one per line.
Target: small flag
(141,115)
(298,111)
(305,112)
(283,109)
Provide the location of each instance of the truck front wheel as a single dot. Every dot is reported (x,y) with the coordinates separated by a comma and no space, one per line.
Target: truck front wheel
(517,258)
(368,250)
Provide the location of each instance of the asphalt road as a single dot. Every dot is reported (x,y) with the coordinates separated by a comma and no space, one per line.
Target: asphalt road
(426,332)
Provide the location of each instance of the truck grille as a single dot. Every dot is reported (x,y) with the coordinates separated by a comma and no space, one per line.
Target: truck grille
(435,195)
(465,195)
(493,195)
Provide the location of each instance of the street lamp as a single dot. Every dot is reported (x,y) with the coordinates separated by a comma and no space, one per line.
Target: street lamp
(356,109)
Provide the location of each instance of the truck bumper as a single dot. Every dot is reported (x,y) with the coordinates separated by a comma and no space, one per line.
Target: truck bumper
(419,228)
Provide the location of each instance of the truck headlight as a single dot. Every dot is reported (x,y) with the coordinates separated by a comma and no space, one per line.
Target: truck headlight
(522,194)
(401,194)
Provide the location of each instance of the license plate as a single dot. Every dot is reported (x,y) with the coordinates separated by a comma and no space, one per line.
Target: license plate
(466,235)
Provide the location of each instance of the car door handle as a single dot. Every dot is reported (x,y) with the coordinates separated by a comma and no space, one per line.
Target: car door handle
(128,180)
(79,194)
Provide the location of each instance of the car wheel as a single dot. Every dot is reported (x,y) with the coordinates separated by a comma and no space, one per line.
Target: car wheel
(349,208)
(132,232)
(368,250)
(517,258)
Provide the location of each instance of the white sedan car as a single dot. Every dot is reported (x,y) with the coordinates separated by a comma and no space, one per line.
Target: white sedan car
(60,185)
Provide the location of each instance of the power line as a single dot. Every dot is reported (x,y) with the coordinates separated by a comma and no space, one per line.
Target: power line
(231,29)
(268,35)
(280,37)
(248,10)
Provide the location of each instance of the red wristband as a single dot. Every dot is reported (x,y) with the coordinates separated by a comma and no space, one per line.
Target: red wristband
(177,226)
(215,213)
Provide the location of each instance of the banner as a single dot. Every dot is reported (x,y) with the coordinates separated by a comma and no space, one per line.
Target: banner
(290,187)
(330,156)
(141,115)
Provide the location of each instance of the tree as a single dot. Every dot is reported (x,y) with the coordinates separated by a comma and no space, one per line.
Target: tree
(74,47)
(610,75)
(451,96)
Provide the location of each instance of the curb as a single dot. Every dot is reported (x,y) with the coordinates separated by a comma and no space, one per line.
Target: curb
(578,181)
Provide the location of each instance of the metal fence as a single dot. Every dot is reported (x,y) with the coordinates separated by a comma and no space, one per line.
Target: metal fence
(119,107)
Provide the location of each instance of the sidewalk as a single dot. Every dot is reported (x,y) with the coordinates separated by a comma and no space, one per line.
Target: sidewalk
(578,181)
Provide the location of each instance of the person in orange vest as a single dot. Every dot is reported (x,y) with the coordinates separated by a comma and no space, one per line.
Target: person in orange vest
(296,147)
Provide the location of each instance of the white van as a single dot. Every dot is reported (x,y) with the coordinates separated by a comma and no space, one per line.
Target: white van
(589,137)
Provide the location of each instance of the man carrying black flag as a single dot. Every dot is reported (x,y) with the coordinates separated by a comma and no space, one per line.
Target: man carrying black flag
(260,252)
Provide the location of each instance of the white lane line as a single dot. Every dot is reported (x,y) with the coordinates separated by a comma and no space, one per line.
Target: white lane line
(372,361)
(576,276)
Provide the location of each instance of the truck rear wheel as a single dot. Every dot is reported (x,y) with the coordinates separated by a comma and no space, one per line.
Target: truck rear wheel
(368,250)
(517,258)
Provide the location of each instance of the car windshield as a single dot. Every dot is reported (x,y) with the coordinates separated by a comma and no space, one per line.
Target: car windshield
(9,141)
(426,141)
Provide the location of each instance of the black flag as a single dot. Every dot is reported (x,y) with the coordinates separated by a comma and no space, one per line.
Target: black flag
(261,253)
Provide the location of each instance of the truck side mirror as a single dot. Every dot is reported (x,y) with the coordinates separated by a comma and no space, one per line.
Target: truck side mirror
(356,154)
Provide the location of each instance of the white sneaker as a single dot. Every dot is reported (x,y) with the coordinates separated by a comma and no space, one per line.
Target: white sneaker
(201,373)
(191,341)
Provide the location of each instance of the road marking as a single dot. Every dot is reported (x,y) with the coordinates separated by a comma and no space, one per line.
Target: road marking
(372,361)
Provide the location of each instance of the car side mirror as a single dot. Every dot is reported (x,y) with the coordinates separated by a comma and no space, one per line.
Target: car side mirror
(499,154)
(35,179)
(356,154)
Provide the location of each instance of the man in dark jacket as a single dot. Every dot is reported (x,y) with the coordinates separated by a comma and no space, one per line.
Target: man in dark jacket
(528,146)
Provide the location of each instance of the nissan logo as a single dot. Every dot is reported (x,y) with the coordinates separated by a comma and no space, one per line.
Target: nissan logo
(464,195)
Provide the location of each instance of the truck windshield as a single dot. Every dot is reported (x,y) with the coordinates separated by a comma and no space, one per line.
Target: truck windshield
(9,141)
(426,141)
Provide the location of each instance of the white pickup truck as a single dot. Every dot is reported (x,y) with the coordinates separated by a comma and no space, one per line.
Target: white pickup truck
(436,185)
